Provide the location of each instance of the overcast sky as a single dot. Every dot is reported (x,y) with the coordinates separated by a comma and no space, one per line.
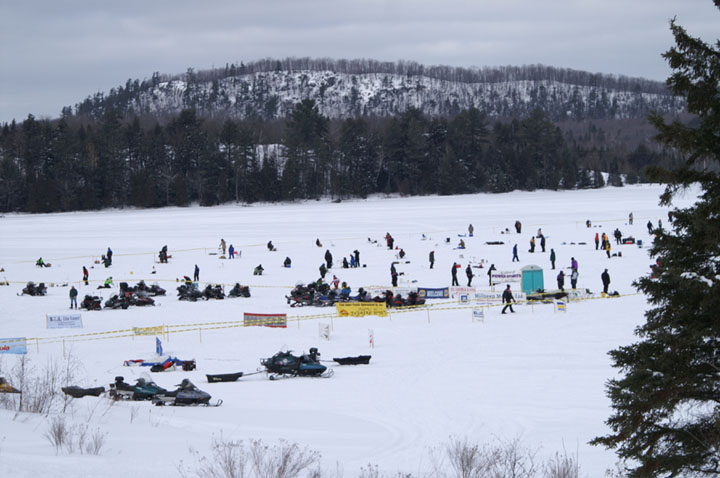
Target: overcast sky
(54,53)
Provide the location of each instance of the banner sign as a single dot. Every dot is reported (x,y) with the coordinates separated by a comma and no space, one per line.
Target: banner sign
(16,345)
(361,309)
(505,276)
(265,320)
(437,293)
(157,330)
(456,292)
(497,296)
(64,321)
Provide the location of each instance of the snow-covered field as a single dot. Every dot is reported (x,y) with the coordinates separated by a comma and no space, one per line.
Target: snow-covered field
(536,374)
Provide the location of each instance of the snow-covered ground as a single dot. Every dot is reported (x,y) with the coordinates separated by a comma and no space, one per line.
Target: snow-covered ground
(536,374)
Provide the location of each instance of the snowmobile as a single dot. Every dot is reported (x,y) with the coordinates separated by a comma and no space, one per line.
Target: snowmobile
(285,364)
(213,292)
(187,394)
(144,389)
(141,299)
(152,290)
(34,290)
(239,291)
(117,302)
(5,387)
(189,292)
(91,302)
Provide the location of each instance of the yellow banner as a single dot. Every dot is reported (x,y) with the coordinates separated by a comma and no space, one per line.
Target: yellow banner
(149,330)
(361,309)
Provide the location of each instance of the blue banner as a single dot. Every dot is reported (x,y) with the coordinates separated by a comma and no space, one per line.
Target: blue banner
(428,293)
(13,346)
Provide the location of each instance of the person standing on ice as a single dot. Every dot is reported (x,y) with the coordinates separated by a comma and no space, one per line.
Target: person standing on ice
(561,280)
(323,270)
(552,258)
(630,218)
(86,274)
(605,280)
(508,299)
(222,246)
(469,274)
(515,256)
(471,229)
(231,252)
(196,275)
(574,278)
(518,226)
(109,256)
(393,276)
(453,272)
(357,257)
(542,243)
(73,297)
(573,263)
(328,259)
(649,227)
(432,259)
(597,241)
(532,244)
(489,273)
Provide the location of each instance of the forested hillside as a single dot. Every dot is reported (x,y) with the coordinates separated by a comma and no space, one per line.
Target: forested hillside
(343,89)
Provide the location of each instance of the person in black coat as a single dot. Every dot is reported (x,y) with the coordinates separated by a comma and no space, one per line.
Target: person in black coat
(508,299)
(323,270)
(432,259)
(552,258)
(357,257)
(454,274)
(394,277)
(561,280)
(515,256)
(469,274)
(605,280)
(489,273)
(328,259)
(196,275)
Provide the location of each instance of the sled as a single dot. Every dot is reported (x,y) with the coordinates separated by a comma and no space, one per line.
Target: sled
(359,360)
(79,392)
(223,377)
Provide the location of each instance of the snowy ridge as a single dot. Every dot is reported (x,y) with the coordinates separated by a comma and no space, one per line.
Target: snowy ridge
(341,95)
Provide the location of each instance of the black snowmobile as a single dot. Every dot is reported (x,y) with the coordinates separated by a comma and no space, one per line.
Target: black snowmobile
(91,302)
(189,292)
(117,301)
(140,299)
(213,292)
(187,394)
(239,291)
(150,290)
(144,389)
(285,365)
(34,289)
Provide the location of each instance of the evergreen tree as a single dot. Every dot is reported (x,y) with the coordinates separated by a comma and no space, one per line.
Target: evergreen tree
(666,420)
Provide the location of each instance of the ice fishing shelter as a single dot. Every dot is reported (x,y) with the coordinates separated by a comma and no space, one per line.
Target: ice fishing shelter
(532,279)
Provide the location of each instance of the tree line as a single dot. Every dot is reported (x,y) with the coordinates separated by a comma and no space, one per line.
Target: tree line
(79,163)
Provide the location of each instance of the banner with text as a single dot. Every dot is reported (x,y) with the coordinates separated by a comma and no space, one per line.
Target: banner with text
(505,276)
(361,309)
(497,296)
(16,345)
(64,321)
(433,293)
(265,320)
(460,292)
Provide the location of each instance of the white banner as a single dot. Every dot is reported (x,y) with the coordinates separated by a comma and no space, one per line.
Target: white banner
(457,292)
(505,276)
(497,296)
(64,321)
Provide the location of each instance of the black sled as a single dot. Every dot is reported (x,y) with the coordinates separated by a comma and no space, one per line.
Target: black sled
(187,395)
(79,392)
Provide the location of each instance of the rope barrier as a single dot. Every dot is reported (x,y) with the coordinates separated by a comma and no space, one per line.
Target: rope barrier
(200,326)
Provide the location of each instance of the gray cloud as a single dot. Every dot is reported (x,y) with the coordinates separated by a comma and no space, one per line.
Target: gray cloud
(55,54)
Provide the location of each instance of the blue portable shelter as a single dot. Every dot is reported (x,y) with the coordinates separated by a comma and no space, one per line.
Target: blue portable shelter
(532,279)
